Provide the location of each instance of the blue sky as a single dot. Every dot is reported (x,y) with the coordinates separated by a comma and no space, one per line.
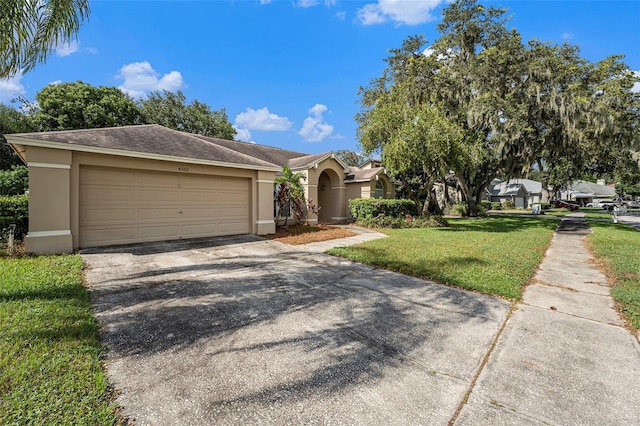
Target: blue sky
(288,72)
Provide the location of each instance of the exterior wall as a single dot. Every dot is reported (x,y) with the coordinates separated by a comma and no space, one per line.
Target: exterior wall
(333,198)
(54,201)
(49,201)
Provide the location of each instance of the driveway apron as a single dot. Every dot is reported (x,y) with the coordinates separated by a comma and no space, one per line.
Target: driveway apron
(242,330)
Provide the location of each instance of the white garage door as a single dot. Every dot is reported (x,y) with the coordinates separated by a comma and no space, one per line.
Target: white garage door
(121,206)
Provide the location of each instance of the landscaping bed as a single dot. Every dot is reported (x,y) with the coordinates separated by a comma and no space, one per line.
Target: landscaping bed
(305,234)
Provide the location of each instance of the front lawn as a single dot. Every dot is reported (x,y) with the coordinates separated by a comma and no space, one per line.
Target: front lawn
(497,255)
(50,371)
(618,248)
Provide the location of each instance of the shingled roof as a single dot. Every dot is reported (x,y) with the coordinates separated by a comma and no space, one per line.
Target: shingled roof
(156,141)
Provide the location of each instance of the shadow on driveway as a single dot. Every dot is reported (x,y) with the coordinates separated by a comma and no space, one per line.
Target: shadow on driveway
(256,331)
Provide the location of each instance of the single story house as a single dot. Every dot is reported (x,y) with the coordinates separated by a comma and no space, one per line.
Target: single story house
(583,192)
(133,184)
(523,192)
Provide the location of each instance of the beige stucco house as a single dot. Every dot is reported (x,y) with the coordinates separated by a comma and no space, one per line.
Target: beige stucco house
(144,183)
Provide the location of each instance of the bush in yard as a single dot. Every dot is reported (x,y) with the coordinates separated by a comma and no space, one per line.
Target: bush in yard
(408,221)
(369,208)
(496,205)
(14,181)
(485,204)
(545,206)
(459,209)
(509,204)
(14,209)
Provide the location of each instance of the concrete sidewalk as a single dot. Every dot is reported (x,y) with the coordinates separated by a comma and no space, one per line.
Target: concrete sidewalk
(564,356)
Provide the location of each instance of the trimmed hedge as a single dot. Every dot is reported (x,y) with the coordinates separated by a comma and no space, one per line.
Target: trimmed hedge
(14,209)
(368,208)
(406,222)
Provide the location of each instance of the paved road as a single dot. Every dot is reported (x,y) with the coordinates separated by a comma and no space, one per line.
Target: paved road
(241,330)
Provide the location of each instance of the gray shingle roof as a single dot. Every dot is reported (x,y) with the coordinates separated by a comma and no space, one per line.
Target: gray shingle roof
(363,175)
(307,161)
(270,154)
(150,139)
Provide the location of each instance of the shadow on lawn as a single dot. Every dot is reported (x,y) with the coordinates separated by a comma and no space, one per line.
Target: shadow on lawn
(498,224)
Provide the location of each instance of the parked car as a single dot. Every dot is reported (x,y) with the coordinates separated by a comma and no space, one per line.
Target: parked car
(595,204)
(565,204)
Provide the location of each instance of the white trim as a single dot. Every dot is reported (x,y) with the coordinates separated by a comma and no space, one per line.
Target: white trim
(265,222)
(50,165)
(265,181)
(338,218)
(134,154)
(311,186)
(36,234)
(339,187)
(312,220)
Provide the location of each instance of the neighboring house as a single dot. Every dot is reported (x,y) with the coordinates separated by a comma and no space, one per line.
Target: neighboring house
(134,184)
(523,192)
(585,192)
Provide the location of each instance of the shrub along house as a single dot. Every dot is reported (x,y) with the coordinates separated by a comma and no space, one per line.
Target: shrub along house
(144,183)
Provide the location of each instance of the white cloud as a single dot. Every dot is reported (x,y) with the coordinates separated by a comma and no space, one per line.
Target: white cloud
(243,135)
(408,12)
(306,3)
(636,85)
(140,78)
(55,82)
(261,119)
(341,15)
(11,88)
(265,1)
(67,49)
(567,36)
(313,128)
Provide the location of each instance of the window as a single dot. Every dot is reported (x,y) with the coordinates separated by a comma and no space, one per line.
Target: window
(379,190)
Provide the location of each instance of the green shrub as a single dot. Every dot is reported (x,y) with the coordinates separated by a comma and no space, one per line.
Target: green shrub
(496,205)
(408,221)
(509,204)
(14,181)
(545,206)
(369,208)
(14,209)
(485,204)
(459,209)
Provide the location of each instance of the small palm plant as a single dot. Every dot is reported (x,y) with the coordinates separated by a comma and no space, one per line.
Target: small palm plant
(290,194)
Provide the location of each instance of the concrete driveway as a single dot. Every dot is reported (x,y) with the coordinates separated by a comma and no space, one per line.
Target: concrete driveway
(244,330)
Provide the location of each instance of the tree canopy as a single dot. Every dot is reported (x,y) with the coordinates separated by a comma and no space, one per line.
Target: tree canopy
(481,103)
(70,106)
(169,109)
(31,29)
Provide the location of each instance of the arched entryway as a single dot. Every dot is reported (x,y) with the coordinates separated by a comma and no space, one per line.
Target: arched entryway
(329,200)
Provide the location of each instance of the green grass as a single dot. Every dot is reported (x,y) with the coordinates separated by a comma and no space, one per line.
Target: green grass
(50,371)
(619,247)
(494,255)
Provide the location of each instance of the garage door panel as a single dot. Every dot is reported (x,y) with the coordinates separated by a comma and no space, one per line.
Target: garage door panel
(231,228)
(157,213)
(157,180)
(199,197)
(197,229)
(106,195)
(232,212)
(159,195)
(107,215)
(198,213)
(226,197)
(159,232)
(89,176)
(105,236)
(124,206)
